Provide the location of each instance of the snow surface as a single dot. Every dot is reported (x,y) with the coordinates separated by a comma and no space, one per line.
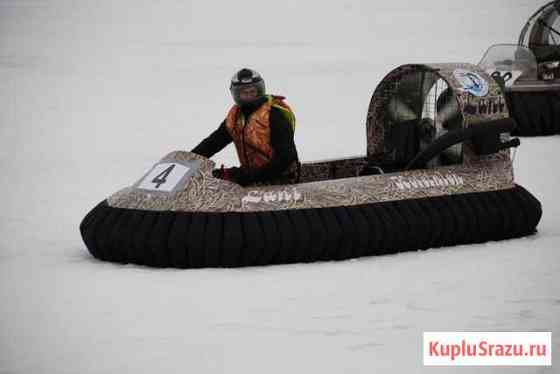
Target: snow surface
(94,92)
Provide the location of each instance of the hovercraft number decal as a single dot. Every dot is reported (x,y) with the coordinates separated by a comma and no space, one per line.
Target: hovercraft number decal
(164,177)
(509,76)
(472,82)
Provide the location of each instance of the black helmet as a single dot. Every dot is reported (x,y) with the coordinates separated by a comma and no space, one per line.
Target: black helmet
(243,79)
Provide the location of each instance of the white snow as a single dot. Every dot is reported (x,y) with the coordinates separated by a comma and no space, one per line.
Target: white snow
(94,92)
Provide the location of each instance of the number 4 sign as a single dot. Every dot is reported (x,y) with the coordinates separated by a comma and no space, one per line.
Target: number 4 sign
(166,177)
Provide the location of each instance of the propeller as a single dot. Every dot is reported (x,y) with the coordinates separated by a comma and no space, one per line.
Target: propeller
(449,118)
(400,111)
(420,110)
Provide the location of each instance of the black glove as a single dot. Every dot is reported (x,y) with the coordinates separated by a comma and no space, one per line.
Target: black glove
(241,176)
(234,174)
(219,173)
(224,173)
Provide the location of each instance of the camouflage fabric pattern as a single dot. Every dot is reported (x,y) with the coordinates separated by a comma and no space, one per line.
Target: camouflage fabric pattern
(204,193)
(333,169)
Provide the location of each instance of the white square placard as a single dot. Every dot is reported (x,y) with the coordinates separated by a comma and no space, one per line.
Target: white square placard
(164,177)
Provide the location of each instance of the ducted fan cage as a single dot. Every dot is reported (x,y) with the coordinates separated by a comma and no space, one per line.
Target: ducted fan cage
(415,105)
(541,33)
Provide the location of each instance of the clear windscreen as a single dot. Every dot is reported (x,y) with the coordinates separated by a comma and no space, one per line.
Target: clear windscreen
(511,62)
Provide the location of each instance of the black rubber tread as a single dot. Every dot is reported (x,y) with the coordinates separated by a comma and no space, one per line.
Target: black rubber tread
(298,244)
(119,235)
(447,222)
(254,240)
(502,217)
(272,243)
(131,247)
(178,240)
(195,239)
(91,216)
(143,241)
(140,238)
(333,233)
(517,218)
(158,239)
(359,222)
(436,223)
(392,231)
(318,250)
(104,237)
(191,240)
(468,221)
(301,229)
(536,113)
(459,220)
(129,222)
(233,240)
(492,216)
(88,228)
(531,208)
(213,239)
(405,241)
(379,231)
(419,222)
(286,235)
(481,216)
(409,230)
(346,244)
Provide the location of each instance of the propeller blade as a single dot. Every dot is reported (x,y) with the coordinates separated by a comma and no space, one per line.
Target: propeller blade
(400,111)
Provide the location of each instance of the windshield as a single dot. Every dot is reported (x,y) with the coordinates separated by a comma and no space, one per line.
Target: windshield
(511,62)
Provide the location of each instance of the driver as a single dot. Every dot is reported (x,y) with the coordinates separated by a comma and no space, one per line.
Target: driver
(262,128)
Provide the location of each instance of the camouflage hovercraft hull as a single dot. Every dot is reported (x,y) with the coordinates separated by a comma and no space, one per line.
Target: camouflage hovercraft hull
(179,215)
(530,73)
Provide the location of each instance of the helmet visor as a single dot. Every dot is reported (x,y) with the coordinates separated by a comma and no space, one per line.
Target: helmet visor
(247,93)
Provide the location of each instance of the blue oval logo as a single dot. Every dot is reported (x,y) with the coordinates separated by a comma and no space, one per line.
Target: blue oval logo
(472,82)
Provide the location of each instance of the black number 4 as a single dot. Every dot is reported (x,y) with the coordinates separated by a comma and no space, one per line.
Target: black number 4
(161,178)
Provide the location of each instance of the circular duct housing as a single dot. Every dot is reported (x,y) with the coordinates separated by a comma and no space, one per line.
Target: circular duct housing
(416,104)
(541,33)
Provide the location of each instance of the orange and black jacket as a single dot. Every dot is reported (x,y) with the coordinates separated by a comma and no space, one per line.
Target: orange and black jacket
(283,150)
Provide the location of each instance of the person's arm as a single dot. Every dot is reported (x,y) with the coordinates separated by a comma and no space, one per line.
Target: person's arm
(284,150)
(213,144)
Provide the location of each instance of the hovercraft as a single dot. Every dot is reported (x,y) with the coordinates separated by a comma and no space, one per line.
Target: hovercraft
(530,73)
(437,173)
